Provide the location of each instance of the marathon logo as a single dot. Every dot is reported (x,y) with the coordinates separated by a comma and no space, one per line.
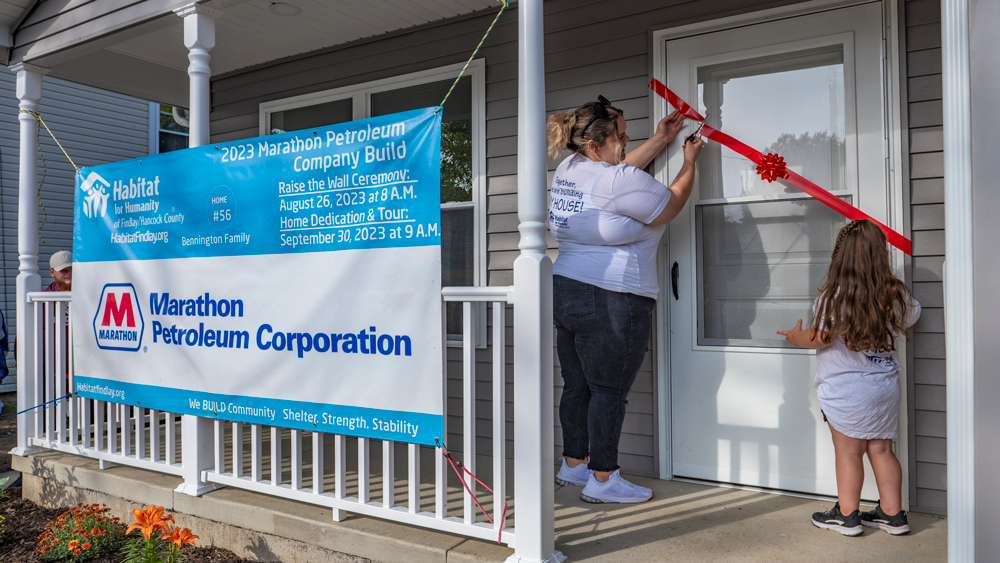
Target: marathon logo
(118,323)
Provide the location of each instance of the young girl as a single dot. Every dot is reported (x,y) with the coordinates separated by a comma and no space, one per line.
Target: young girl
(861,309)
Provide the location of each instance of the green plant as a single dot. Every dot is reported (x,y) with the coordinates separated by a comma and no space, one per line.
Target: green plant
(3,483)
(160,542)
(456,161)
(82,533)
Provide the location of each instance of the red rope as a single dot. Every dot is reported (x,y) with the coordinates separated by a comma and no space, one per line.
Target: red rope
(503,517)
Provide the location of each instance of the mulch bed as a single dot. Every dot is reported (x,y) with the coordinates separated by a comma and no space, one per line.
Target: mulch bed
(26,520)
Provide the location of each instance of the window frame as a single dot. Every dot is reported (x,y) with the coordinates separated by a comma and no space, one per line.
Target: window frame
(361,95)
(155,130)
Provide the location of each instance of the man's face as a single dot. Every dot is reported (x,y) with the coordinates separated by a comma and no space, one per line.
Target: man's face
(63,278)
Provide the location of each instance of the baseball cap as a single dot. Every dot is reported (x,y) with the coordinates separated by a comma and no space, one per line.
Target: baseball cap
(61,260)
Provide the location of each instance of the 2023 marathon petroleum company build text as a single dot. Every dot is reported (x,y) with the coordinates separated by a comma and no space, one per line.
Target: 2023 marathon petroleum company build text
(292,280)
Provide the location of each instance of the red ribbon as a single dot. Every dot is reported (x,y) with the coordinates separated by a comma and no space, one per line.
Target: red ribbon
(773,167)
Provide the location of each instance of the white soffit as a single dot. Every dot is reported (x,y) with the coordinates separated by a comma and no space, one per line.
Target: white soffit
(10,14)
(248,33)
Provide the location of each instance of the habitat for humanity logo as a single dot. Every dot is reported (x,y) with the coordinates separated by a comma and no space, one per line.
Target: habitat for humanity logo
(118,324)
(95,199)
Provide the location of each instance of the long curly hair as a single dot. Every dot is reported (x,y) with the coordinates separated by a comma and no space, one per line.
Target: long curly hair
(860,299)
(566,130)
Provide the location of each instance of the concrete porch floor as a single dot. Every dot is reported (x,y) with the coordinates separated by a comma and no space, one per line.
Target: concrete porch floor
(683,522)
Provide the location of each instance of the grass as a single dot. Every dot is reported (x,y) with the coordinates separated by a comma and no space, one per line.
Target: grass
(11,403)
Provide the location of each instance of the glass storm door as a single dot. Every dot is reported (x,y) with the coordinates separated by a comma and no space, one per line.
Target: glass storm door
(750,254)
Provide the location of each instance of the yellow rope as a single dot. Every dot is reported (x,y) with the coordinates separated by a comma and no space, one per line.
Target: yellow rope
(39,118)
(468,62)
(38,142)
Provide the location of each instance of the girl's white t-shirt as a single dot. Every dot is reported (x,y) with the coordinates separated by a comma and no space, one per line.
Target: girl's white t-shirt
(859,391)
(598,215)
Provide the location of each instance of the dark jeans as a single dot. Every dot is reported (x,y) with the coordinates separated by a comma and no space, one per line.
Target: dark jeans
(601,338)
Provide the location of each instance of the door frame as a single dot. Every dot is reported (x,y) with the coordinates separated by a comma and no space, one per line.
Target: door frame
(898,219)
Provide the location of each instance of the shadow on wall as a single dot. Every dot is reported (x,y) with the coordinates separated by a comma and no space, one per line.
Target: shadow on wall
(55,493)
(261,550)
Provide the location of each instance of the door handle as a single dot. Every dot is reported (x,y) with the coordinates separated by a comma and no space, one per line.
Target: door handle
(674,274)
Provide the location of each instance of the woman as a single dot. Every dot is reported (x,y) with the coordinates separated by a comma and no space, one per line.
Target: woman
(608,216)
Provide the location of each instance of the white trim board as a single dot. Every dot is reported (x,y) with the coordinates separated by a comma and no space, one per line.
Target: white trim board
(959,290)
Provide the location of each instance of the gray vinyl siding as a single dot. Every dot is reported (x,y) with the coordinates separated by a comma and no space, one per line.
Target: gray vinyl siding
(95,127)
(925,148)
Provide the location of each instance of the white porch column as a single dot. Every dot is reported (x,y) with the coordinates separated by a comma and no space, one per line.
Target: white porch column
(958,297)
(199,38)
(29,93)
(534,496)
(197,446)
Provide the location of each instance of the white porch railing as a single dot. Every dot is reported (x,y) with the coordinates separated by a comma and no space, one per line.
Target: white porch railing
(258,458)
(107,431)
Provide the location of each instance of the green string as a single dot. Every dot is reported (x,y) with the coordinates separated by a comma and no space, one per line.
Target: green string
(468,62)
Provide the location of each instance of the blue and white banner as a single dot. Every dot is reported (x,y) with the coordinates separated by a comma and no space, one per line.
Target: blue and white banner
(291,280)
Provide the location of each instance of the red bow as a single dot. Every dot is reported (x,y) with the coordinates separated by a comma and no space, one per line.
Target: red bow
(771,167)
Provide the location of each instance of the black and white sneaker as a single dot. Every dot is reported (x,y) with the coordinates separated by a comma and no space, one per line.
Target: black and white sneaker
(832,519)
(895,525)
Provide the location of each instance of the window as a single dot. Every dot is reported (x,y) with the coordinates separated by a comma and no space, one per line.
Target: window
(168,128)
(463,217)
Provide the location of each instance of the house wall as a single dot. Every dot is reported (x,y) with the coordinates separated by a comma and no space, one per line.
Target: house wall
(620,69)
(95,127)
(923,118)
(985,74)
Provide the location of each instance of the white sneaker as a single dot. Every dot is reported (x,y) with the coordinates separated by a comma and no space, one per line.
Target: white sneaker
(617,489)
(578,475)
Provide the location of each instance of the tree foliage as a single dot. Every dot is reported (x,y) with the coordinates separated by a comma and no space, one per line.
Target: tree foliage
(456,161)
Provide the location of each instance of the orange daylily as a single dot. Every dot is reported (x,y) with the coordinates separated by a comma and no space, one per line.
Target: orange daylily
(149,520)
(180,537)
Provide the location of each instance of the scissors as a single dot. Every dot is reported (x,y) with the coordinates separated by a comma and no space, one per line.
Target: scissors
(690,138)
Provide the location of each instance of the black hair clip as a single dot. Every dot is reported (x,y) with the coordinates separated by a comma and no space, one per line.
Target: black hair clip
(600,111)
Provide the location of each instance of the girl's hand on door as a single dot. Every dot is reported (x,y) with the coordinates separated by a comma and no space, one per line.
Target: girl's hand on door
(809,338)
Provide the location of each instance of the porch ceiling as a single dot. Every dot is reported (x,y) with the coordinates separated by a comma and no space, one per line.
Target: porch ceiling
(10,13)
(251,33)
(145,57)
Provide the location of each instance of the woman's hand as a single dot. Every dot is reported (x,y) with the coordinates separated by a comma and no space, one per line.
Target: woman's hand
(668,127)
(680,188)
(693,149)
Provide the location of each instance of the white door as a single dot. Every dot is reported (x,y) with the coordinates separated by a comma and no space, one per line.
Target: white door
(750,254)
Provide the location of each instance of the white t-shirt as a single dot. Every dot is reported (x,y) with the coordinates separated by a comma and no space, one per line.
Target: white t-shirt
(859,391)
(598,214)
